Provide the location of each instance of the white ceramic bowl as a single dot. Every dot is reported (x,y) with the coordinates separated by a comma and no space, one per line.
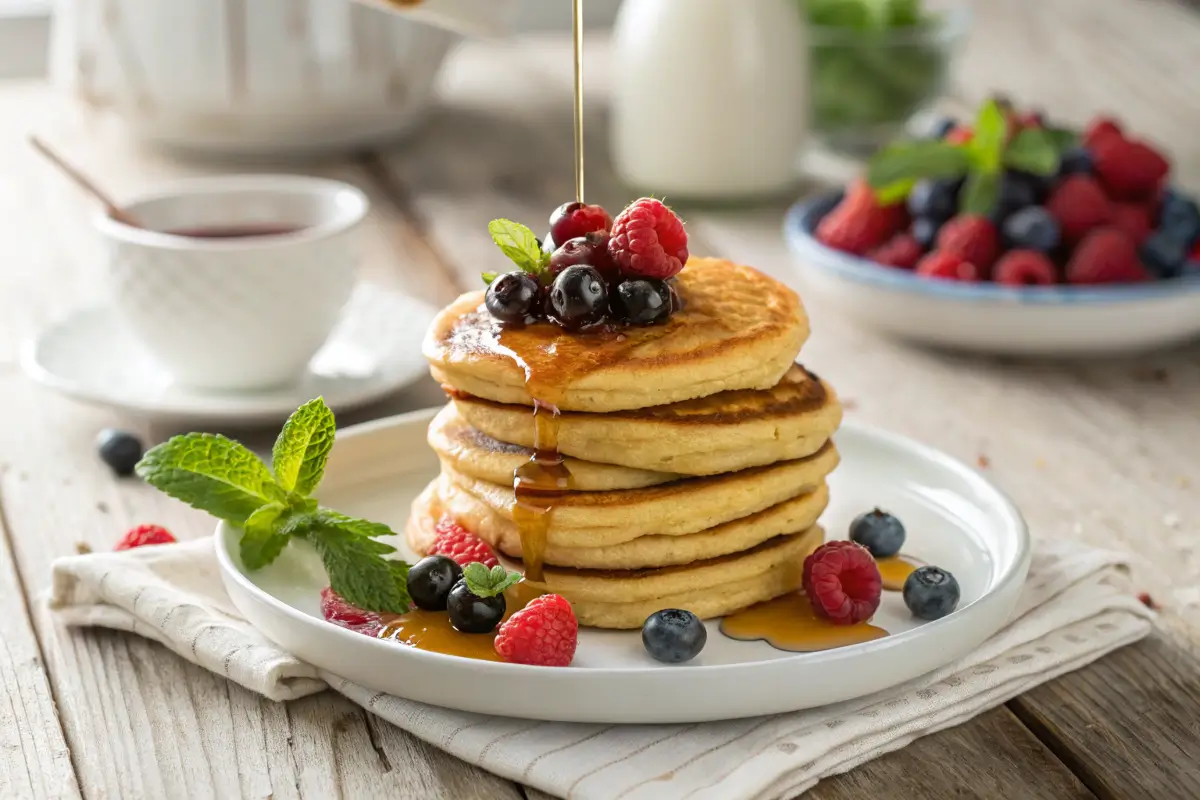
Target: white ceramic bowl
(988,317)
(236,314)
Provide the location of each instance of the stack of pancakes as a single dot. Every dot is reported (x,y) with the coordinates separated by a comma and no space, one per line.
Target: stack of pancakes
(697,449)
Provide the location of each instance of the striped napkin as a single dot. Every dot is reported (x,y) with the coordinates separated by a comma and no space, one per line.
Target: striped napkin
(1074,609)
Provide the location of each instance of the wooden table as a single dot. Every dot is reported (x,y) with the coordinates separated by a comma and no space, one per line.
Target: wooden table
(1102,451)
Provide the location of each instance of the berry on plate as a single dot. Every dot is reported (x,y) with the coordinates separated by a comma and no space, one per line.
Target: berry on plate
(1105,255)
(513,296)
(971,236)
(673,635)
(572,220)
(120,450)
(1018,190)
(335,609)
(860,223)
(925,231)
(1129,169)
(1134,219)
(960,134)
(1080,205)
(1076,160)
(1100,129)
(458,543)
(1163,255)
(476,603)
(1180,217)
(430,581)
(641,302)
(931,592)
(1031,228)
(842,582)
(902,251)
(578,297)
(544,633)
(878,531)
(648,240)
(1025,268)
(143,535)
(934,198)
(948,266)
(590,250)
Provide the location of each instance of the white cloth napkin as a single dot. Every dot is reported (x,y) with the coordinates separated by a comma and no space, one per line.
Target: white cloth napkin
(1074,609)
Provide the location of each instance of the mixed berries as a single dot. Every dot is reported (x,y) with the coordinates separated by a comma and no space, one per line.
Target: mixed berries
(590,268)
(1023,204)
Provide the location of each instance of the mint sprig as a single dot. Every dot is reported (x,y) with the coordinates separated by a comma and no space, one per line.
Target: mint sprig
(224,478)
(981,161)
(520,246)
(484,582)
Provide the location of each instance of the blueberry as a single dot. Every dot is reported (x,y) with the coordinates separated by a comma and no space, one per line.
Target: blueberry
(925,231)
(879,532)
(1180,217)
(1018,190)
(430,581)
(120,450)
(471,613)
(1076,160)
(1163,254)
(512,296)
(935,199)
(642,302)
(590,250)
(673,635)
(942,127)
(578,297)
(931,592)
(1032,228)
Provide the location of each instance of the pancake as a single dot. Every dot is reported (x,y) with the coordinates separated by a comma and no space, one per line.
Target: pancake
(601,519)
(442,497)
(478,455)
(725,432)
(738,329)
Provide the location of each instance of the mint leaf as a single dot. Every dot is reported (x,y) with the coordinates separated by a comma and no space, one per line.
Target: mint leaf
(1061,138)
(303,447)
(980,193)
(488,277)
(520,245)
(991,134)
(911,161)
(356,567)
(211,473)
(1032,150)
(361,527)
(483,582)
(262,541)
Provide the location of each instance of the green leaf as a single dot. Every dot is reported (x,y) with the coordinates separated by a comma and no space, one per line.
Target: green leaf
(356,566)
(911,161)
(483,582)
(361,527)
(991,134)
(303,446)
(262,538)
(211,473)
(1062,138)
(1032,150)
(488,277)
(519,244)
(980,193)
(894,192)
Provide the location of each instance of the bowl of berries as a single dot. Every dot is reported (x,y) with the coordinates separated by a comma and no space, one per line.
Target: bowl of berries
(1010,236)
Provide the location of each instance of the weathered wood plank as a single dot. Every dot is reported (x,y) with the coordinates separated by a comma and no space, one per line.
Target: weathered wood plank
(991,756)
(1128,726)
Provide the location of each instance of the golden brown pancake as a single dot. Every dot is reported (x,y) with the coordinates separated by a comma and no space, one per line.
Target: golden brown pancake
(723,432)
(738,329)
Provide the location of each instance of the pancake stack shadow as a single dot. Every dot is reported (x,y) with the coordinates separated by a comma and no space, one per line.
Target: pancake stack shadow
(698,451)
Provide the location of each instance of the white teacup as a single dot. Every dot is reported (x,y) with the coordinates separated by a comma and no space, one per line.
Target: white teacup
(236,312)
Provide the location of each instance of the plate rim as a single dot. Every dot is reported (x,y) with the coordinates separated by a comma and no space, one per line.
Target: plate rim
(996,592)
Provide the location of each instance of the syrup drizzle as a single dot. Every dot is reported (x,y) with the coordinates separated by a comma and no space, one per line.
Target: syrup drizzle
(431,630)
(536,484)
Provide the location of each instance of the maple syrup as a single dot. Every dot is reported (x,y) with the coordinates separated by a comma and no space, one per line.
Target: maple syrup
(895,571)
(432,631)
(789,623)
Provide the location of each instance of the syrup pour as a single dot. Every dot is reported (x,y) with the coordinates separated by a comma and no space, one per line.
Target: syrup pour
(537,484)
(431,630)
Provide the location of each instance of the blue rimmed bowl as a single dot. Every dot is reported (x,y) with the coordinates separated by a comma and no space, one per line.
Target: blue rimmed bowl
(988,317)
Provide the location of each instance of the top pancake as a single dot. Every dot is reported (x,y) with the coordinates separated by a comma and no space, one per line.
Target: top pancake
(738,329)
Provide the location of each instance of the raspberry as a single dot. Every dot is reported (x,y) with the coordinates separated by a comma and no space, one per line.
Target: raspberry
(902,250)
(959,134)
(1100,129)
(456,542)
(1134,219)
(572,220)
(335,609)
(842,582)
(1079,205)
(1195,254)
(859,223)
(648,240)
(1024,268)
(973,237)
(1129,169)
(1106,255)
(948,266)
(144,535)
(543,633)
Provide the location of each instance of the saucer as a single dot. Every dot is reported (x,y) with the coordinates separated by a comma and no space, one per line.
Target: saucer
(374,350)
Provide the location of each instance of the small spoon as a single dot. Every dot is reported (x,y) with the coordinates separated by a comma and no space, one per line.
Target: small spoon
(85,183)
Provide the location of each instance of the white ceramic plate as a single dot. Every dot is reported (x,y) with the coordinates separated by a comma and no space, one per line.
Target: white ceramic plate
(375,350)
(1058,321)
(955,518)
